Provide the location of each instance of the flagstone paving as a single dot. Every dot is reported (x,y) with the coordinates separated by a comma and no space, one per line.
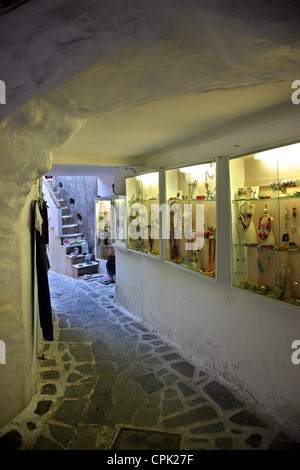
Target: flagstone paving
(108,382)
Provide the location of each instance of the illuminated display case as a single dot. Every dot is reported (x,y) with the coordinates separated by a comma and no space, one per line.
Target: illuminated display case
(142,194)
(191,225)
(265,212)
(118,221)
(103,228)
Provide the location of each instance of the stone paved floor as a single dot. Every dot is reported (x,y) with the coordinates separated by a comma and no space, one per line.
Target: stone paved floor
(106,379)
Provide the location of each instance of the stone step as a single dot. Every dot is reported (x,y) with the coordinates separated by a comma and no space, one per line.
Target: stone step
(67,220)
(61,202)
(65,211)
(85,268)
(69,229)
(79,259)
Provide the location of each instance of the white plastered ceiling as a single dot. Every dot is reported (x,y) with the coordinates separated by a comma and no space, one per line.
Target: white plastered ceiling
(147,129)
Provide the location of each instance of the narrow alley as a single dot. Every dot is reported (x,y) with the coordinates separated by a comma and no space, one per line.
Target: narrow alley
(107,382)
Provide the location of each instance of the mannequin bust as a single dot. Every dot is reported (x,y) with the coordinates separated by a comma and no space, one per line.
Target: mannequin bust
(247,229)
(265,234)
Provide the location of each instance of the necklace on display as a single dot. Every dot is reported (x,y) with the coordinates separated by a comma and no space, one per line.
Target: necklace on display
(285,236)
(246,214)
(263,235)
(245,226)
(264,269)
(280,280)
(209,193)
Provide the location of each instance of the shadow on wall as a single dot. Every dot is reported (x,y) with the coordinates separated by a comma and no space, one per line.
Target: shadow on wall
(8,5)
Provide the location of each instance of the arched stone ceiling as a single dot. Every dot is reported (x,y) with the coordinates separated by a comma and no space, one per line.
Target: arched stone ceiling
(109,82)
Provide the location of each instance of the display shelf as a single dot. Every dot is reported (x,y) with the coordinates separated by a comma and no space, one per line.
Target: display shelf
(265,199)
(265,222)
(142,193)
(190,241)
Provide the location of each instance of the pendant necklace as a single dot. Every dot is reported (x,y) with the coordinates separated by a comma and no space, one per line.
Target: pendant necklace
(245,226)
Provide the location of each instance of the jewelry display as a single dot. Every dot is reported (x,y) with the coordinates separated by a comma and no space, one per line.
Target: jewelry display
(192,185)
(264,269)
(281,281)
(247,229)
(191,242)
(142,214)
(273,269)
(282,185)
(285,236)
(211,250)
(263,235)
(210,195)
(292,244)
(266,237)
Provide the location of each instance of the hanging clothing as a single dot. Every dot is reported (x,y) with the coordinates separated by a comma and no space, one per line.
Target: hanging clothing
(44,302)
(44,213)
(45,228)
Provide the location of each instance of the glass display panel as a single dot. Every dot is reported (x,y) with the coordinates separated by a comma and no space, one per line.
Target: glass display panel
(103,229)
(118,221)
(191,198)
(266,223)
(142,192)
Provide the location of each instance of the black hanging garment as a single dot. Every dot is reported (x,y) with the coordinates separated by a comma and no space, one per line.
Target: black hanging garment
(45,311)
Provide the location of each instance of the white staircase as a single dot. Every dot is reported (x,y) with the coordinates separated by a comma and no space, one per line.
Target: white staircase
(62,222)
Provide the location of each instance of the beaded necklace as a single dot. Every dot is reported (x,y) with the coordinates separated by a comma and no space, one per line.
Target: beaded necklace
(263,235)
(264,269)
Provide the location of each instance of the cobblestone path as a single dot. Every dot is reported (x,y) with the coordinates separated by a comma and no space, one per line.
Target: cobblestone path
(108,382)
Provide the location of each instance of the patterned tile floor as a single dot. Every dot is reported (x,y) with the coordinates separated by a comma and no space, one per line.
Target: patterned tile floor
(108,382)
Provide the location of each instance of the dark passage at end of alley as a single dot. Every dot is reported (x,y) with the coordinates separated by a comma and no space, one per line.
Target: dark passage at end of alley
(107,382)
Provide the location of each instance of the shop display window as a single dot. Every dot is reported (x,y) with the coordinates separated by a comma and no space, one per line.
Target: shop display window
(118,221)
(142,193)
(265,210)
(191,199)
(103,228)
